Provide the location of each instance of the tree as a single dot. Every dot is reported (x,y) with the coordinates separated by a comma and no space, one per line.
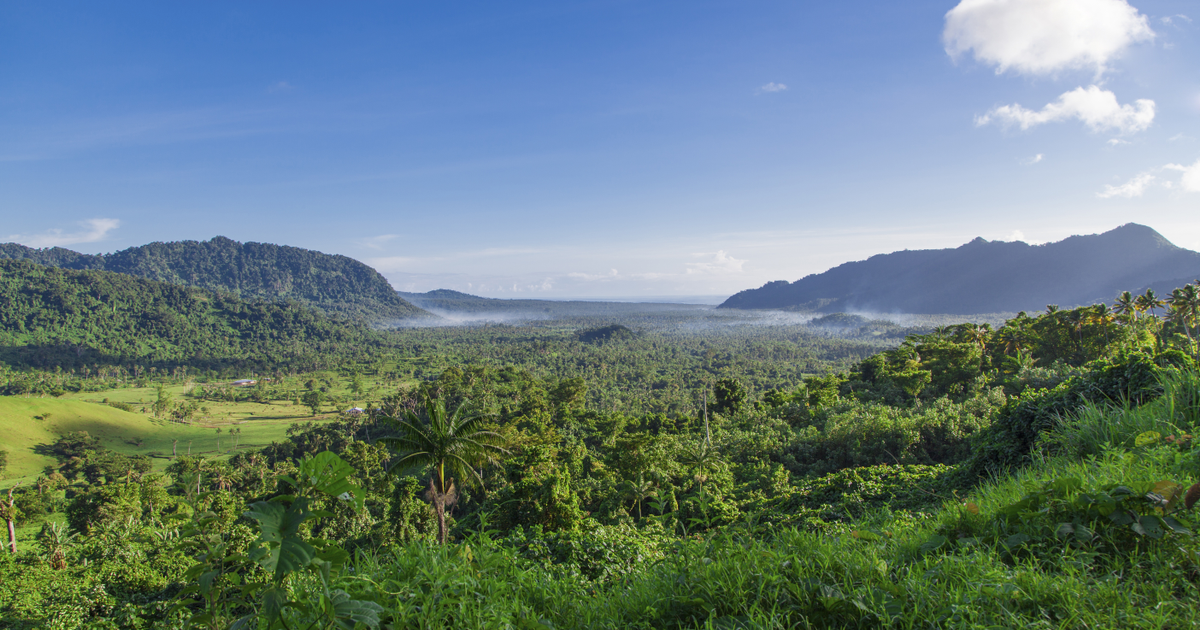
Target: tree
(729,395)
(162,401)
(10,516)
(1148,301)
(1126,306)
(1184,305)
(3,461)
(313,400)
(638,491)
(451,444)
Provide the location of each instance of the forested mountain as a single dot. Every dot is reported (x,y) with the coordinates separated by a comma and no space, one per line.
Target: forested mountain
(988,276)
(253,271)
(53,317)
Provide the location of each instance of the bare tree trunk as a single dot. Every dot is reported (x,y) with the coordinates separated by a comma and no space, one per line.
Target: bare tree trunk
(438,503)
(12,528)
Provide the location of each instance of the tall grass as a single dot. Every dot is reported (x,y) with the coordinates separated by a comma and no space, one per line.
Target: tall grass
(1098,427)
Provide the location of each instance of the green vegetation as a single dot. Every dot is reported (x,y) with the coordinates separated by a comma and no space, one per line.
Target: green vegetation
(336,285)
(1043,473)
(56,318)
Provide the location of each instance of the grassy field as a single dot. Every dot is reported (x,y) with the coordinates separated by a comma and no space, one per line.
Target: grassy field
(26,423)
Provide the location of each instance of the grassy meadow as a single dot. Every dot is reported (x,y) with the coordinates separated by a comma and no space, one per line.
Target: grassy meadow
(27,423)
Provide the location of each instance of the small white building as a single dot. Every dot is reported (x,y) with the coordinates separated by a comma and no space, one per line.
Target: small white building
(354,411)
(245,382)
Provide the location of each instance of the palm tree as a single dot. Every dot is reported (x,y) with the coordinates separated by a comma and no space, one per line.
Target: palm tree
(639,491)
(1184,307)
(1126,306)
(701,459)
(1103,316)
(1148,301)
(452,444)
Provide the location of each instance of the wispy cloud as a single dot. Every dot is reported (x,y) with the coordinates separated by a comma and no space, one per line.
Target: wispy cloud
(377,242)
(1040,37)
(94,230)
(592,277)
(1189,181)
(721,263)
(1096,108)
(1135,187)
(1191,176)
(1171,19)
(1033,160)
(773,87)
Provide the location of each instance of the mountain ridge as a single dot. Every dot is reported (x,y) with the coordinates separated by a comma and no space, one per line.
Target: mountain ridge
(983,276)
(331,283)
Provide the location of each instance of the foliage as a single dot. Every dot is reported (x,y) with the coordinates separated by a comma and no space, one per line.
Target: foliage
(57,317)
(252,271)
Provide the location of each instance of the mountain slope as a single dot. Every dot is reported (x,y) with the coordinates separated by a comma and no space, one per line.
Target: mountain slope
(51,316)
(986,276)
(253,271)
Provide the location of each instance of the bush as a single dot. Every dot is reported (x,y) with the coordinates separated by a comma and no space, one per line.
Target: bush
(1019,425)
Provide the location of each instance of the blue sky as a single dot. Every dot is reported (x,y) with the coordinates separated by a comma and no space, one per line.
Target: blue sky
(604,148)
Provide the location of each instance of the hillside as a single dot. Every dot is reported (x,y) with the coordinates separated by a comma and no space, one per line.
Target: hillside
(987,276)
(253,271)
(53,317)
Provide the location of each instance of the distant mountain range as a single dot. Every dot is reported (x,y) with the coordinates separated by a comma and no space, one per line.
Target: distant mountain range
(252,271)
(989,276)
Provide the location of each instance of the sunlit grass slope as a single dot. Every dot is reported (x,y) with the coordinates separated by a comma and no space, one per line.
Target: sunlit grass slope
(21,431)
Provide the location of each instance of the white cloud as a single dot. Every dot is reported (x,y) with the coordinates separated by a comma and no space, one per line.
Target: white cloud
(1130,189)
(773,87)
(721,263)
(377,242)
(1033,160)
(1017,235)
(1191,176)
(1097,108)
(96,230)
(612,273)
(1170,19)
(1044,36)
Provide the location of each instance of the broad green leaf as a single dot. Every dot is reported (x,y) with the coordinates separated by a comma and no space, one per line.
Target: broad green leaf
(1176,526)
(1147,438)
(1150,525)
(1016,540)
(934,543)
(327,473)
(286,550)
(1120,517)
(348,612)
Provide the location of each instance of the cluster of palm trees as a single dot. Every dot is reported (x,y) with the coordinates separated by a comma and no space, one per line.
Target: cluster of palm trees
(1183,306)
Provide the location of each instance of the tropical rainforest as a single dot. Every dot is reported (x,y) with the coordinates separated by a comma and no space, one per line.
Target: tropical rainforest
(335,285)
(670,469)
